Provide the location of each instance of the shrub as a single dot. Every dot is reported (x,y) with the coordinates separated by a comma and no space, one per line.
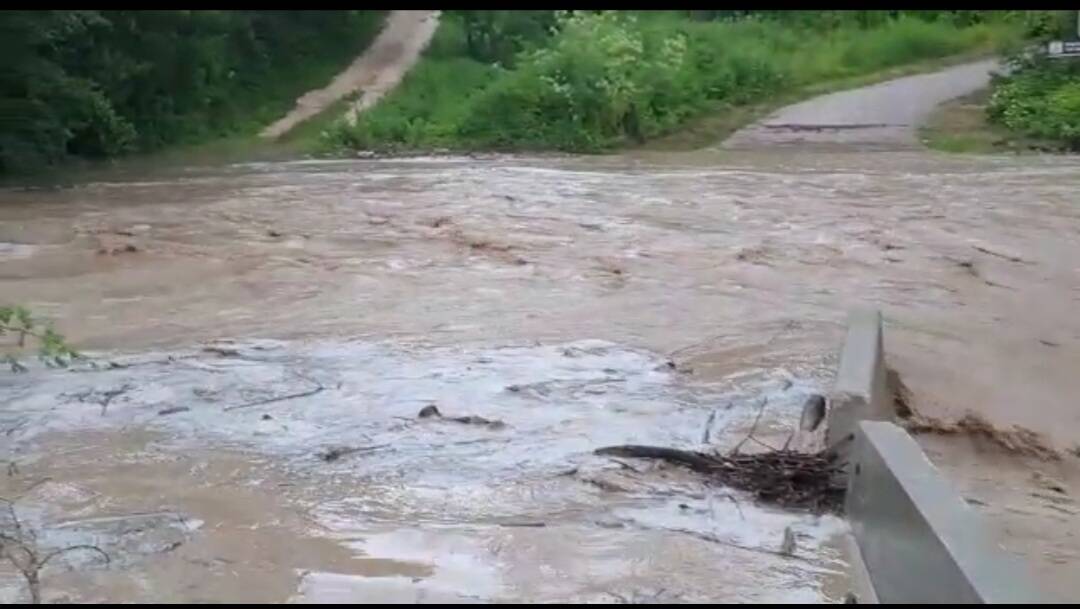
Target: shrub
(1041,99)
(606,78)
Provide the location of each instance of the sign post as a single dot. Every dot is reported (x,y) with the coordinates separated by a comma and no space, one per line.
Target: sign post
(1065,48)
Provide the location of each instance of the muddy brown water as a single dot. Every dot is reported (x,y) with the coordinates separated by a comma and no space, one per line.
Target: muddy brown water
(547,293)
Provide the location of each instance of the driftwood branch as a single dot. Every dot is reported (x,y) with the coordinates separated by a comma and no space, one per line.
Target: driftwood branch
(1008,257)
(693,460)
(731,544)
(107,396)
(334,453)
(708,427)
(717,540)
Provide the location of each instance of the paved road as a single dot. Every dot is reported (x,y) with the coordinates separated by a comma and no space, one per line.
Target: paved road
(880,116)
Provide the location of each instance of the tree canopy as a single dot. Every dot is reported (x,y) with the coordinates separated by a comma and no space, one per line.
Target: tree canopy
(96,84)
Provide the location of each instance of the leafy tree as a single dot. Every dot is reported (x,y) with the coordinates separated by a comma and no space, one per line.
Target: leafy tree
(497,36)
(96,84)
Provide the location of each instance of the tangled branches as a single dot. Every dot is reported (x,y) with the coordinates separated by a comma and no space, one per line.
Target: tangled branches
(784,478)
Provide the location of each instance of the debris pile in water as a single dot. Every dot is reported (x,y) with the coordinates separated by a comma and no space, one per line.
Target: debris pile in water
(785,478)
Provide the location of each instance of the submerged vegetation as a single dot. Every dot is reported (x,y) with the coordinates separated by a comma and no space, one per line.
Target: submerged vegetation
(20,331)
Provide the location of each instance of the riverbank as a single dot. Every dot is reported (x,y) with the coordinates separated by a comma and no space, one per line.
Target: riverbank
(658,77)
(1036,108)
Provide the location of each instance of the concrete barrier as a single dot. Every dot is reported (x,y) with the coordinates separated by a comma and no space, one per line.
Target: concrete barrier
(861,391)
(918,539)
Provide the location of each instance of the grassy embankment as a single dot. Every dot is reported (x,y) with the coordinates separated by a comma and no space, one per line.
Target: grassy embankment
(1036,107)
(608,80)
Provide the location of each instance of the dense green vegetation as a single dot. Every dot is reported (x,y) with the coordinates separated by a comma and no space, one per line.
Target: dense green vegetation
(1041,99)
(591,80)
(96,84)
(1040,96)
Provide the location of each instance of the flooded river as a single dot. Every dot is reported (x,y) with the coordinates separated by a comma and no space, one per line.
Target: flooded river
(571,303)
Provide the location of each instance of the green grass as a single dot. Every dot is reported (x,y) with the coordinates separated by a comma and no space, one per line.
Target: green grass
(422,111)
(608,81)
(962,126)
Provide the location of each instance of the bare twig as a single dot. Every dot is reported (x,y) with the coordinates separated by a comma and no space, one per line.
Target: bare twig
(639,599)
(995,284)
(1008,257)
(753,427)
(15,524)
(626,465)
(84,546)
(717,540)
(20,549)
(107,396)
(173,410)
(708,427)
(17,426)
(787,443)
(292,396)
(735,502)
(684,457)
(337,452)
(731,544)
(102,398)
(762,444)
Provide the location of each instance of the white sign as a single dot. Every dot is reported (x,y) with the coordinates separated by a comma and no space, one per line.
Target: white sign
(1063,48)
